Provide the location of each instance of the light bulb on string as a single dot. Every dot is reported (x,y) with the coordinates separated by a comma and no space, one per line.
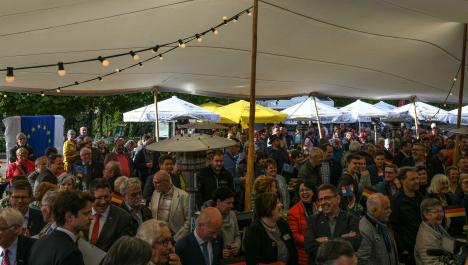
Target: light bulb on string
(140,64)
(117,70)
(225,19)
(454,79)
(10,77)
(77,83)
(198,37)
(104,61)
(181,44)
(135,56)
(100,79)
(59,90)
(451,93)
(42,93)
(161,57)
(61,69)
(155,49)
(248,12)
(235,19)
(215,31)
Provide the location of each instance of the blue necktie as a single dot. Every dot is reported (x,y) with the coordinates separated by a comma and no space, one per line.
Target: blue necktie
(206,255)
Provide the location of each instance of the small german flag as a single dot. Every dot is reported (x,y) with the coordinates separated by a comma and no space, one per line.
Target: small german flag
(117,199)
(454,212)
(366,192)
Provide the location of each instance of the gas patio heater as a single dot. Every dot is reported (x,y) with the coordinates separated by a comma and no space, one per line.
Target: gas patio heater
(191,152)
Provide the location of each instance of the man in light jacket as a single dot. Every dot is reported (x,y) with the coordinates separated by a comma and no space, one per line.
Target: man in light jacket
(377,245)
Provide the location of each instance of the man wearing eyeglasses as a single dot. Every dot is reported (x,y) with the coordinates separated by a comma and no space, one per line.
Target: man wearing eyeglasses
(158,235)
(109,222)
(20,197)
(14,248)
(131,190)
(331,223)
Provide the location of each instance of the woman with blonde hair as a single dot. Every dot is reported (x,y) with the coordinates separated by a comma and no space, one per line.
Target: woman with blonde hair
(261,185)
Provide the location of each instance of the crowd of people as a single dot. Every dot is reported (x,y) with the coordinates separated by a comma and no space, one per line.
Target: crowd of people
(379,204)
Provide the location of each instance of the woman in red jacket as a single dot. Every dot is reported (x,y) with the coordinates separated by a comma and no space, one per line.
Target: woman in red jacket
(298,215)
(22,166)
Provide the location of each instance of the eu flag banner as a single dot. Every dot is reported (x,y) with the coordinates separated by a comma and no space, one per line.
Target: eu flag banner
(41,131)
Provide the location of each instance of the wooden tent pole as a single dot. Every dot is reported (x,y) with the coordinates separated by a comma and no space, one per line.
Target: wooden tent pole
(318,118)
(416,118)
(253,76)
(460,96)
(156,122)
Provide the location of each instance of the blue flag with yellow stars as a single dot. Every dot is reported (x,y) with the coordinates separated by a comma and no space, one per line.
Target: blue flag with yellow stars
(40,132)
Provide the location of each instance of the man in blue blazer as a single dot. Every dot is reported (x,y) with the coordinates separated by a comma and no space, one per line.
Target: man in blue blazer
(204,246)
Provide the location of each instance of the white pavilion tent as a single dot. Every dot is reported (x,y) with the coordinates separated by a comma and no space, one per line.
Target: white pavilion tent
(170,109)
(464,116)
(305,111)
(363,111)
(384,106)
(424,111)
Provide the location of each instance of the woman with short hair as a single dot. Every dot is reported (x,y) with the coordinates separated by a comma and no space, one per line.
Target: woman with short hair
(269,238)
(430,233)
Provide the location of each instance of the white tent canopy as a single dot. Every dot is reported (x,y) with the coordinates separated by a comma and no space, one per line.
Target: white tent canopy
(363,111)
(384,106)
(424,112)
(464,118)
(305,111)
(407,47)
(170,109)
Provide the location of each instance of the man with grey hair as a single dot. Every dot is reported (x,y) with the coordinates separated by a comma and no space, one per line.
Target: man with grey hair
(377,245)
(21,141)
(169,204)
(158,235)
(46,208)
(311,169)
(133,200)
(14,247)
(203,246)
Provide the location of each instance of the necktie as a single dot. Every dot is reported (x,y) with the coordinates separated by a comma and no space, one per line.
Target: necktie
(95,233)
(206,255)
(5,259)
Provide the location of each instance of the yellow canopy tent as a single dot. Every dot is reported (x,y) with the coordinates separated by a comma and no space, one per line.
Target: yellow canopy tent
(211,106)
(238,112)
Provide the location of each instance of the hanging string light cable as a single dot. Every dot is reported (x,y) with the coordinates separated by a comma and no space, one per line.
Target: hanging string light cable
(450,93)
(135,54)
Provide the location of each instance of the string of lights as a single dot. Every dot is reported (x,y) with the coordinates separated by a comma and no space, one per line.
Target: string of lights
(450,93)
(158,51)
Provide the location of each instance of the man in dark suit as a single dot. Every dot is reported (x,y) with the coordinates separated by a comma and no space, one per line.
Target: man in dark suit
(203,246)
(85,168)
(145,162)
(331,223)
(72,213)
(109,222)
(14,247)
(131,190)
(20,197)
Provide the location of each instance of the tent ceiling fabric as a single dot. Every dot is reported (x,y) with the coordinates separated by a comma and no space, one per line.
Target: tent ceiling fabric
(381,49)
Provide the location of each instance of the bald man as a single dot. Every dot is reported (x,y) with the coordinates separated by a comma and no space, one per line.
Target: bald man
(204,246)
(311,169)
(377,245)
(170,204)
